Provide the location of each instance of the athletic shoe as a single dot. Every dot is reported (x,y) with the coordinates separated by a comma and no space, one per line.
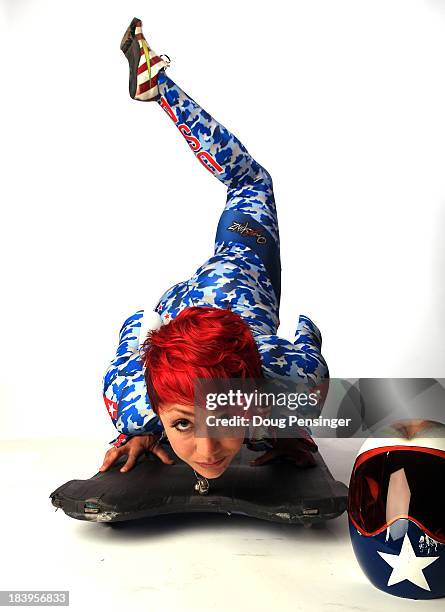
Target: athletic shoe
(145,65)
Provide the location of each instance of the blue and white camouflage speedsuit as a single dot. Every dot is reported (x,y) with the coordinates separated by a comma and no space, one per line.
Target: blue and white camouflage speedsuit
(243,274)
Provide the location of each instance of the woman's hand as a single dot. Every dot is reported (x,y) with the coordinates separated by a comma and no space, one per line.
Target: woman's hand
(133,448)
(298,450)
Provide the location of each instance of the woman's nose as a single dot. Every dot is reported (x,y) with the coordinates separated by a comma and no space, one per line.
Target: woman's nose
(206,449)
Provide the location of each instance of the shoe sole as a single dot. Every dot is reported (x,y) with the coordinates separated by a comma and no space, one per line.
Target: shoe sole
(130,34)
(130,48)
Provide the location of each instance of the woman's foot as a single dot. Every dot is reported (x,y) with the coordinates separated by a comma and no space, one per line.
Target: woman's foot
(145,65)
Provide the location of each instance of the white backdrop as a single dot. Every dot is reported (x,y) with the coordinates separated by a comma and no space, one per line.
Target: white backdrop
(104,206)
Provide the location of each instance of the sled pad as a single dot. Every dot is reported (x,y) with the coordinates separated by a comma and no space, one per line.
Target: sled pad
(278,491)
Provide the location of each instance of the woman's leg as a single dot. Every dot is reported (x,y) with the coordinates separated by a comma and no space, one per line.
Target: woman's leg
(249,216)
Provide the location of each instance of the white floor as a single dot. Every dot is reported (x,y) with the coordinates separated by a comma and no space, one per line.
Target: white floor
(210,563)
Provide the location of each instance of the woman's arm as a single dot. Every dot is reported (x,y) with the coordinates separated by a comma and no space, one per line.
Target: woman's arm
(124,389)
(300,361)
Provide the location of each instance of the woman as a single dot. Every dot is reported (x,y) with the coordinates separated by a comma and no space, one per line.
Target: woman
(221,322)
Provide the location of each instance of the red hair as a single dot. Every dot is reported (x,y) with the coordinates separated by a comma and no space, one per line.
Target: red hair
(200,342)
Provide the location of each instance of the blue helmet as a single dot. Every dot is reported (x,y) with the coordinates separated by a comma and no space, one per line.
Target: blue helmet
(396,509)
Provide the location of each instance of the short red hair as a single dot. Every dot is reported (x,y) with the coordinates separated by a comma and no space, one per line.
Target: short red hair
(200,342)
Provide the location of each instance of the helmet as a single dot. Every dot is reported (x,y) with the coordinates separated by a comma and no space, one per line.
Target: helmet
(396,509)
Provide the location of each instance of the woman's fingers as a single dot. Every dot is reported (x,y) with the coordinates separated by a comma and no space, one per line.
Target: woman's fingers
(306,444)
(301,458)
(133,449)
(304,459)
(160,452)
(268,455)
(110,457)
(131,460)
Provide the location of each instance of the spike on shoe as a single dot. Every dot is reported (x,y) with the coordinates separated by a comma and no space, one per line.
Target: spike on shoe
(144,63)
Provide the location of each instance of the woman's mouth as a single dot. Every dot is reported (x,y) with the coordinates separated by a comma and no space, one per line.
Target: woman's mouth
(211,465)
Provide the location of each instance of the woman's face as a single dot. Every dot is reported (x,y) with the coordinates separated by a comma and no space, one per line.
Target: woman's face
(210,457)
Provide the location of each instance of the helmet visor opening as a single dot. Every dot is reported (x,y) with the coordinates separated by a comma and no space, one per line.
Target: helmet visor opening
(404,482)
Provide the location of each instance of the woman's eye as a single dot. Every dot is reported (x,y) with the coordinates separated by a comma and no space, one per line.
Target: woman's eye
(182,425)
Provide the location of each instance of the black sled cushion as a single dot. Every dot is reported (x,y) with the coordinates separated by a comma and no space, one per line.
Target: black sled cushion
(278,491)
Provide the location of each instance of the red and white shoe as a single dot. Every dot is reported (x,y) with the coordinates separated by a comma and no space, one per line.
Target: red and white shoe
(145,65)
